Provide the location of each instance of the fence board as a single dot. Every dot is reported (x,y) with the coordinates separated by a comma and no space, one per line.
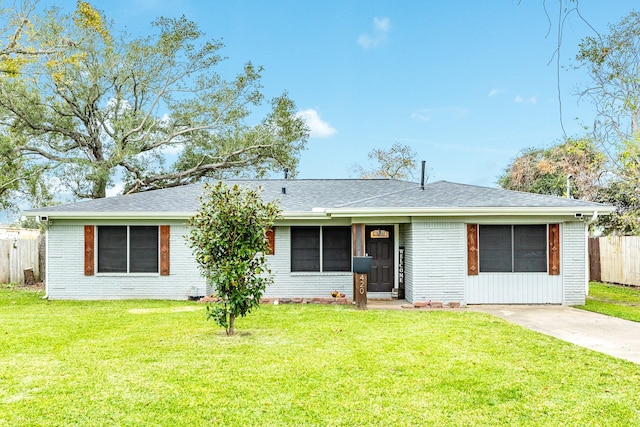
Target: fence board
(15,256)
(5,261)
(620,259)
(594,260)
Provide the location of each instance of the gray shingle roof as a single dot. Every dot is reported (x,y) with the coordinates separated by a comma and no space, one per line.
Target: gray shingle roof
(334,194)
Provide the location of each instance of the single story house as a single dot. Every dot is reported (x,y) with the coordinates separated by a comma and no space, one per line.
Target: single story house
(443,241)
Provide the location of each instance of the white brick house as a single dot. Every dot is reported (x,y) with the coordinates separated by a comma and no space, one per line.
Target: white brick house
(445,242)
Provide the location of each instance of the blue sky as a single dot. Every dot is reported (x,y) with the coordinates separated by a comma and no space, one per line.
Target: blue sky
(467,84)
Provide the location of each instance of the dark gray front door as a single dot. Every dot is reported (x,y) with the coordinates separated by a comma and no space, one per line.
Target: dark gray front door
(379,245)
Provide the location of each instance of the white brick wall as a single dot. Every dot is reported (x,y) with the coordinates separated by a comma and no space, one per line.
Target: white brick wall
(438,261)
(406,240)
(302,285)
(573,264)
(66,268)
(435,267)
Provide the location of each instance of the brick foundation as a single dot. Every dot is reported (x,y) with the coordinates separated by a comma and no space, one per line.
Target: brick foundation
(435,304)
(333,301)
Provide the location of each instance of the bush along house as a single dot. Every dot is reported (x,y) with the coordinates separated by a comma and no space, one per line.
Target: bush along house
(447,242)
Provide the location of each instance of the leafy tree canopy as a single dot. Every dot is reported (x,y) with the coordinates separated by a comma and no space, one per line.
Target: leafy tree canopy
(18,180)
(613,61)
(98,107)
(545,171)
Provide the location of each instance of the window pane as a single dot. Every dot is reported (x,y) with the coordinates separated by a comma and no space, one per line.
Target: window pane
(494,248)
(336,248)
(112,249)
(530,248)
(143,249)
(305,248)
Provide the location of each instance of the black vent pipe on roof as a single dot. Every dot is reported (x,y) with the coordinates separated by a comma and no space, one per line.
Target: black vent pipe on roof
(424,163)
(284,190)
(286,173)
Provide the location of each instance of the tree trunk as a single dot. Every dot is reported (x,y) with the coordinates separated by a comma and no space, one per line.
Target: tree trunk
(100,188)
(29,277)
(231,330)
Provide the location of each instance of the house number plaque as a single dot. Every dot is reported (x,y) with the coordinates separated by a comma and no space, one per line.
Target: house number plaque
(361,291)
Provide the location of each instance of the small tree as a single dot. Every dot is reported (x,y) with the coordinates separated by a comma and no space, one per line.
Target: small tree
(229,238)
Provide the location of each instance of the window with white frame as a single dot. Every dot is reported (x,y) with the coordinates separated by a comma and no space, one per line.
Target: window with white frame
(320,249)
(128,249)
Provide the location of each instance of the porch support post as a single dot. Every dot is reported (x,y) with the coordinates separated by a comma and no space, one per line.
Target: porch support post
(359,280)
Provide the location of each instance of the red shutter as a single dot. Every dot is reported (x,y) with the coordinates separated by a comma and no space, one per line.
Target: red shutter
(164,250)
(89,231)
(271,237)
(472,249)
(554,249)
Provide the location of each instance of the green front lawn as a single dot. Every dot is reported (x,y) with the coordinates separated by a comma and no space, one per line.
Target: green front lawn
(159,363)
(613,300)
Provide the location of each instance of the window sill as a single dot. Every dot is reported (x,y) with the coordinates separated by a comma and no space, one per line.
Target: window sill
(514,272)
(127,274)
(321,273)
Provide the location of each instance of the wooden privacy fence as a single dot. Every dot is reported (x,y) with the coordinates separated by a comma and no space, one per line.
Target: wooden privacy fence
(615,259)
(18,254)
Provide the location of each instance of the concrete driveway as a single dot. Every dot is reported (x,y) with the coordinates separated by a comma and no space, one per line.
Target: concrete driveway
(610,335)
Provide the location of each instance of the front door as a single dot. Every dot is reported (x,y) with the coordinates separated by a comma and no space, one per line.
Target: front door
(379,245)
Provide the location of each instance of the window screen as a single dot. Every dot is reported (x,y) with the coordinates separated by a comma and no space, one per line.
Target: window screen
(143,249)
(530,248)
(123,249)
(112,249)
(512,248)
(336,249)
(305,248)
(494,248)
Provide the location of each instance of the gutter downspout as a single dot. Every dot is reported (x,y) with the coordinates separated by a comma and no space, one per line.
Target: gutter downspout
(46,264)
(586,248)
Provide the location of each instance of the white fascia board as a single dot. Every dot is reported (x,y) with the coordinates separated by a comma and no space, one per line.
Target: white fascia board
(482,211)
(315,214)
(53,215)
(110,215)
(328,213)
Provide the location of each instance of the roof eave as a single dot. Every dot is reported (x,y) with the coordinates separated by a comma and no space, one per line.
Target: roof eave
(52,215)
(326,213)
(472,211)
(108,215)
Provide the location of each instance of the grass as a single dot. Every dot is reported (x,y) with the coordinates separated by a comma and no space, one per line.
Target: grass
(613,300)
(159,363)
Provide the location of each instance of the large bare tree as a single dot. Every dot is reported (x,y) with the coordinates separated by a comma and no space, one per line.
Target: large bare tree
(613,63)
(397,162)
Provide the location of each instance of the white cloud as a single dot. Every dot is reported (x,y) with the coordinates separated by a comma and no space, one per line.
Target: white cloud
(420,117)
(494,92)
(382,24)
(521,100)
(439,113)
(381,27)
(317,127)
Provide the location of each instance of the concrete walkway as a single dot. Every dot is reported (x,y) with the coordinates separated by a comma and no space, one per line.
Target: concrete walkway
(610,335)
